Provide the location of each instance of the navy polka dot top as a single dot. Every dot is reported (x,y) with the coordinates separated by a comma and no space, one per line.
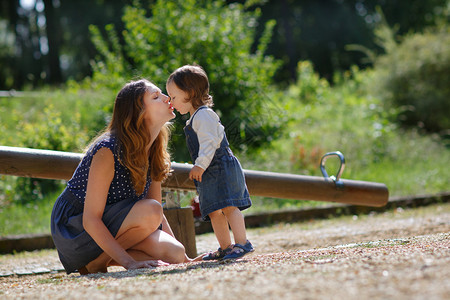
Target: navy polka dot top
(121,186)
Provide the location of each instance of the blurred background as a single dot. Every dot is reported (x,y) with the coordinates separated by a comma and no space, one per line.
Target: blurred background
(291,81)
(48,41)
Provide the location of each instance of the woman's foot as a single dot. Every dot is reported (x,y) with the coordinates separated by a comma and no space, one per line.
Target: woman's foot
(91,270)
(83,271)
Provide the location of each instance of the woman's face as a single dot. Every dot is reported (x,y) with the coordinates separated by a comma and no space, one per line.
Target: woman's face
(158,108)
(178,98)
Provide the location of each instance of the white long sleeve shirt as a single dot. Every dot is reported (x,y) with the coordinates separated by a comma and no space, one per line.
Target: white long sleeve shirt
(210,133)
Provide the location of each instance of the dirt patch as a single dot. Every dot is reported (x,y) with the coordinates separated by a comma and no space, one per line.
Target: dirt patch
(401,254)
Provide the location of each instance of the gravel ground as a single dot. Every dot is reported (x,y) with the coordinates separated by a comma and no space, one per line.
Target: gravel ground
(401,254)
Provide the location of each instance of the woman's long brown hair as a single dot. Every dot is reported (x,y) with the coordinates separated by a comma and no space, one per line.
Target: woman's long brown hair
(128,125)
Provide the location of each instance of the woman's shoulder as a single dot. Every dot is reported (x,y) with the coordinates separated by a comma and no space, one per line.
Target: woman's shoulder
(106,140)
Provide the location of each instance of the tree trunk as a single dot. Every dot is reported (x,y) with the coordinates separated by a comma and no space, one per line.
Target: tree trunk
(290,47)
(53,30)
(19,74)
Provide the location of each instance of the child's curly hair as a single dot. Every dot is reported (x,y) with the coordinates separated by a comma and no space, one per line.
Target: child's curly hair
(193,80)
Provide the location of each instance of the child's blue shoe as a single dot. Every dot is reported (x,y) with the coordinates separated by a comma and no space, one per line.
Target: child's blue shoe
(219,254)
(239,251)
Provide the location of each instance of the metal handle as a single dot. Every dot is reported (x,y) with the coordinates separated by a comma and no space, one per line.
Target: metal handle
(336,179)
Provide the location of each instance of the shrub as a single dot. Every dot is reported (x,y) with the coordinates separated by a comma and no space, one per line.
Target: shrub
(216,36)
(414,74)
(345,117)
(46,130)
(418,79)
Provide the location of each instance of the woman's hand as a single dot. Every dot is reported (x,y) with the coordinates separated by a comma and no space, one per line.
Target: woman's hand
(145,264)
(196,173)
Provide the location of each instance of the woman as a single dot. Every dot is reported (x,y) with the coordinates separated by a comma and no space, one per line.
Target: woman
(110,212)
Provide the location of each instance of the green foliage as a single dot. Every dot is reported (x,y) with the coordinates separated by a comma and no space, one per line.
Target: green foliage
(420,79)
(296,126)
(62,120)
(110,71)
(6,52)
(414,75)
(27,218)
(216,36)
(48,132)
(344,117)
(321,118)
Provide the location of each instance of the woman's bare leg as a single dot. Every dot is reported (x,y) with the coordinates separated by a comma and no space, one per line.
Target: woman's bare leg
(136,254)
(221,230)
(158,246)
(143,219)
(162,246)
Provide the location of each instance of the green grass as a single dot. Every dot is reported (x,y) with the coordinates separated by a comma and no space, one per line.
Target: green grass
(348,119)
(320,119)
(35,217)
(27,218)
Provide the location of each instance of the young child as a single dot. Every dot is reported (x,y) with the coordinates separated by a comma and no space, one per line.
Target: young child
(217,173)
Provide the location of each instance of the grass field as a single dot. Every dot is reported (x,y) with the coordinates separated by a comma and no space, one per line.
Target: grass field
(316,118)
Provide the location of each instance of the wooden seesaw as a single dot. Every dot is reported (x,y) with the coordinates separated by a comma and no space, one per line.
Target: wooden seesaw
(50,164)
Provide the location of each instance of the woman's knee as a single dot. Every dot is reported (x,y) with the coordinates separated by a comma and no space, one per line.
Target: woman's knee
(147,212)
(151,209)
(146,215)
(163,246)
(176,254)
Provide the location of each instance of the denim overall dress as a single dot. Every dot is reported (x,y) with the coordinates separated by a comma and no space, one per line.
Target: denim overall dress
(223,182)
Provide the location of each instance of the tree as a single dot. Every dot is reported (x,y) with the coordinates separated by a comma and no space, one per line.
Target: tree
(54,35)
(319,31)
(51,41)
(219,38)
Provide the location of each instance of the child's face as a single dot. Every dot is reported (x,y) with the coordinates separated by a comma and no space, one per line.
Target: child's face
(178,99)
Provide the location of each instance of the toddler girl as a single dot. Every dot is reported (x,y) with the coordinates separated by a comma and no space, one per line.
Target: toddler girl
(217,173)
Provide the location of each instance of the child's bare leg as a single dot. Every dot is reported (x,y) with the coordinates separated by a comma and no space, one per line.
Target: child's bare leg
(237,224)
(221,230)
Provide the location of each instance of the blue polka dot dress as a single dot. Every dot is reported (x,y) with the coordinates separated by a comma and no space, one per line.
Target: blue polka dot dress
(75,246)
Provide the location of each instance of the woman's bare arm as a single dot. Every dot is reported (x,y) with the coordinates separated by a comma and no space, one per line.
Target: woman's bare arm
(100,177)
(154,192)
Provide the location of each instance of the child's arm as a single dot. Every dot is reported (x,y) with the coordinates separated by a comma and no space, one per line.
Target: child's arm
(210,134)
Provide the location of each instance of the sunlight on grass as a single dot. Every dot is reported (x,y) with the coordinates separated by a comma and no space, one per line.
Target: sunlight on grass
(27,218)
(316,118)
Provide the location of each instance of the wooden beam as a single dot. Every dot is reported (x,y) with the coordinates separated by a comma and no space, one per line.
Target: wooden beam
(61,165)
